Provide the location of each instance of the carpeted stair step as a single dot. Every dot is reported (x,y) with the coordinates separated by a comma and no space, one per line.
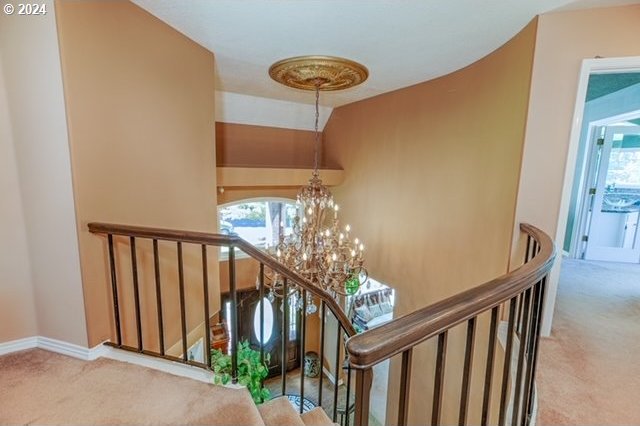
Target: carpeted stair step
(280,412)
(316,417)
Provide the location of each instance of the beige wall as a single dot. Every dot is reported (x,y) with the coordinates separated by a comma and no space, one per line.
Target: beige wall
(431,181)
(140,103)
(242,145)
(564,40)
(31,66)
(18,315)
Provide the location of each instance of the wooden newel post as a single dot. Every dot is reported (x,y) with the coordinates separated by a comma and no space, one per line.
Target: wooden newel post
(364,379)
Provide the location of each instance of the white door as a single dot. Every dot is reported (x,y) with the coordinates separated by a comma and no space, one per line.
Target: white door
(613,232)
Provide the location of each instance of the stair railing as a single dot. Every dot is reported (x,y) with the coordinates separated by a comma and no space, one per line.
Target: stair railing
(520,292)
(204,240)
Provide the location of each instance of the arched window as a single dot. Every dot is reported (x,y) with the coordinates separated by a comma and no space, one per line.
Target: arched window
(259,221)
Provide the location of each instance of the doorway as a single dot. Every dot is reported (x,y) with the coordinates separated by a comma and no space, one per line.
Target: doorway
(602,218)
(613,205)
(248,315)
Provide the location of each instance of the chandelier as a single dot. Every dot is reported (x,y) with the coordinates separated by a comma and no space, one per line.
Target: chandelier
(318,248)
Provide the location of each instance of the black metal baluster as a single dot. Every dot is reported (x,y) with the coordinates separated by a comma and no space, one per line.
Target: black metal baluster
(114,290)
(183,314)
(136,292)
(519,318)
(346,405)
(535,352)
(438,386)
(527,252)
(207,326)
(336,376)
(530,350)
(234,314)
(261,296)
(507,363)
(535,249)
(322,317)
(521,355)
(285,334)
(405,386)
(466,376)
(488,376)
(156,268)
(302,347)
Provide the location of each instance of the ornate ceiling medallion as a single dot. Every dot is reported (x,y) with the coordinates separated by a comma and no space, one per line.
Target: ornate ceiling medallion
(325,73)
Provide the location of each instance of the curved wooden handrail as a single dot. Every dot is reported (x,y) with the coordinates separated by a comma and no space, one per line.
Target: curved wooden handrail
(378,344)
(230,241)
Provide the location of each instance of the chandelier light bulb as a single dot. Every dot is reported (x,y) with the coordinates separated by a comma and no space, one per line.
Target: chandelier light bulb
(310,211)
(347,228)
(336,207)
(341,236)
(304,220)
(304,256)
(334,257)
(361,247)
(278,253)
(353,253)
(327,233)
(356,241)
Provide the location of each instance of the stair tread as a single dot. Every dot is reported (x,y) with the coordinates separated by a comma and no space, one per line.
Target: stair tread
(280,412)
(316,417)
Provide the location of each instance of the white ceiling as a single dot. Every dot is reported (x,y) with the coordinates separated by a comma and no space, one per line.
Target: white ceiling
(401,42)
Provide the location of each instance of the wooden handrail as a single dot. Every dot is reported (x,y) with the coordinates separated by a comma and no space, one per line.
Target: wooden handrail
(392,338)
(227,241)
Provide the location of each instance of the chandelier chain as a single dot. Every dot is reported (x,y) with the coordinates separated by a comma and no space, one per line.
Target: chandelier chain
(317,133)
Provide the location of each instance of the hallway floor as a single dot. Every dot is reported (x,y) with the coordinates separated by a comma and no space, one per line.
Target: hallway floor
(589,369)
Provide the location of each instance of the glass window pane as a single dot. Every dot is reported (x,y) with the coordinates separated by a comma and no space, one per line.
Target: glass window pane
(268,321)
(259,222)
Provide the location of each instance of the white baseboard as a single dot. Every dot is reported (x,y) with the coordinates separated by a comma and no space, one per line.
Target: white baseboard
(69,349)
(330,376)
(18,345)
(52,345)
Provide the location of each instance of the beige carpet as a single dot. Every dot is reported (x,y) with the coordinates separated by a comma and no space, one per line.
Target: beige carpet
(45,388)
(589,369)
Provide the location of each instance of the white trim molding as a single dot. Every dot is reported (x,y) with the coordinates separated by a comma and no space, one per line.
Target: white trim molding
(18,345)
(69,349)
(52,345)
(330,376)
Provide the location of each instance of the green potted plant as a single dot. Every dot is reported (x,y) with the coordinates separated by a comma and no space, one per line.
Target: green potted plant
(251,372)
